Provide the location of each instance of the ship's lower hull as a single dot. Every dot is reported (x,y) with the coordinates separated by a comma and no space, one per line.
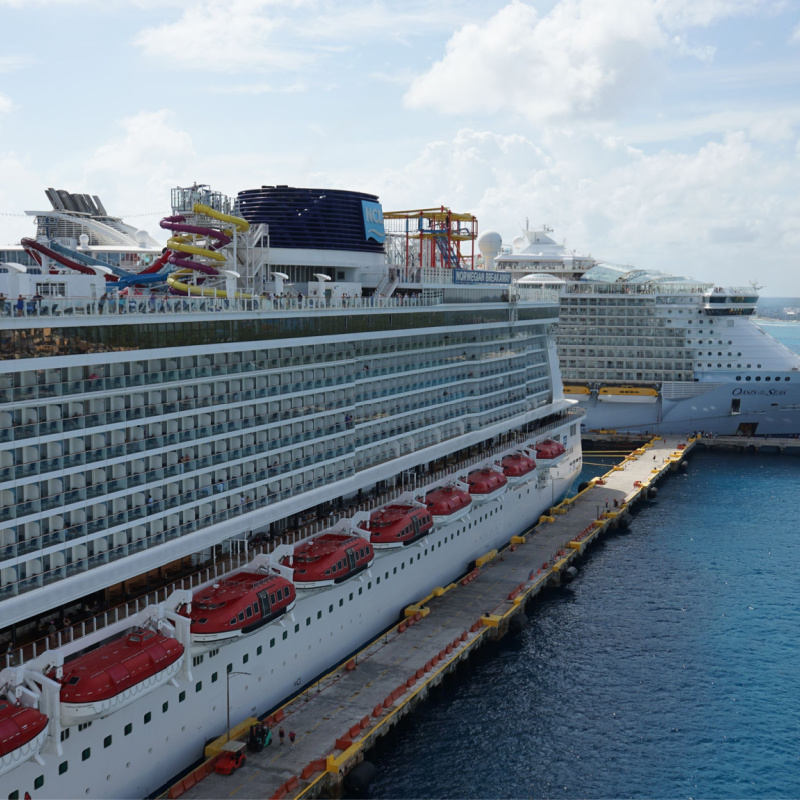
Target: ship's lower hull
(723,408)
(136,751)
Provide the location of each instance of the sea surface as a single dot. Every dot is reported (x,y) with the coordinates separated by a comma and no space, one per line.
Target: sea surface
(670,668)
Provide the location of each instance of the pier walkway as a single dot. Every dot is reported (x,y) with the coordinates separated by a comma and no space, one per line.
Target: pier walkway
(339,718)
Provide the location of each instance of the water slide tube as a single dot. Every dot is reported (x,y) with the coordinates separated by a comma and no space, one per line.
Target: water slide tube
(38,247)
(89,261)
(181,243)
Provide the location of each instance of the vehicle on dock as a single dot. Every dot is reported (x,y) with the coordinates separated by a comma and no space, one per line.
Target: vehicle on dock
(232,757)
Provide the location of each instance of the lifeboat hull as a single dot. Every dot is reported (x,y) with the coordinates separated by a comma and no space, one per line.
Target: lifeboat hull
(301,584)
(441,520)
(78,713)
(518,469)
(35,727)
(204,642)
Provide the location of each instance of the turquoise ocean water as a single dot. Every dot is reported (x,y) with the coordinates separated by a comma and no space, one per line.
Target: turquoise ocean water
(669,669)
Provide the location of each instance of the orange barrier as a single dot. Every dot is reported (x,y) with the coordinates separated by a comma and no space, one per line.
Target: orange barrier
(343,744)
(376,712)
(354,731)
(351,665)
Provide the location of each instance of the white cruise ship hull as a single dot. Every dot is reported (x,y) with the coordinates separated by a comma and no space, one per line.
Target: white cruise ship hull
(325,627)
(770,411)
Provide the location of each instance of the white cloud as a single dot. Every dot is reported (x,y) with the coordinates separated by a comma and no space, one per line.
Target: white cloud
(584,58)
(5,103)
(795,37)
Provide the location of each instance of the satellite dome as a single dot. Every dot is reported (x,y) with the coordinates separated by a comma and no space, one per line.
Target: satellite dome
(519,242)
(489,243)
(83,239)
(141,238)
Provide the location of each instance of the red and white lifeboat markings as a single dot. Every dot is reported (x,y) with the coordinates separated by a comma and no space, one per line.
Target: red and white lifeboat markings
(22,734)
(398,524)
(329,558)
(448,504)
(518,468)
(486,484)
(236,606)
(116,674)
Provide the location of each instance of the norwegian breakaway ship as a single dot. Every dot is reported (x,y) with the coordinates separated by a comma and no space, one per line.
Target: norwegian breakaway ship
(291,351)
(646,351)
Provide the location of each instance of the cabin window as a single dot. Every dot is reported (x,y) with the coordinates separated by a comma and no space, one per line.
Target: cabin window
(65,735)
(403,565)
(14,795)
(198,687)
(254,607)
(341,602)
(272,599)
(351,596)
(386,576)
(259,650)
(369,585)
(83,726)
(286,591)
(272,643)
(148,716)
(245,658)
(229,668)
(241,616)
(319,614)
(63,767)
(39,782)
(285,634)
(107,741)
(327,572)
(128,729)
(360,589)
(73,680)
(164,708)
(377,580)
(214,677)
(232,622)
(308,620)
(249,612)
(86,754)
(330,609)
(181,697)
(394,571)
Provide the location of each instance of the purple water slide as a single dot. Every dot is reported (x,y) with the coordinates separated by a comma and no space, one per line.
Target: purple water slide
(32,244)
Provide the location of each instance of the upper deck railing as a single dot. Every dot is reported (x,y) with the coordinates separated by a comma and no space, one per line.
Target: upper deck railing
(59,307)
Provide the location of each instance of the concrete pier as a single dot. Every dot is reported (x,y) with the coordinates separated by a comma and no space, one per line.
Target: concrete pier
(339,718)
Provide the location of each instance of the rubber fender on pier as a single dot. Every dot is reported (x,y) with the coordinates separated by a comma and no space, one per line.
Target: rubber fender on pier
(569,574)
(357,781)
(652,492)
(517,623)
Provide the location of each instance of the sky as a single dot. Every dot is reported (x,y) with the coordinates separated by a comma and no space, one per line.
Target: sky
(659,133)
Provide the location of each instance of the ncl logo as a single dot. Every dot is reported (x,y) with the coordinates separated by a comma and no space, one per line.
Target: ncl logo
(373,221)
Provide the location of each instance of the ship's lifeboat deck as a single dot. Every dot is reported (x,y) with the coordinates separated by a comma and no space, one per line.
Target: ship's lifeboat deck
(447,504)
(395,525)
(329,558)
(115,674)
(486,484)
(518,468)
(22,733)
(238,606)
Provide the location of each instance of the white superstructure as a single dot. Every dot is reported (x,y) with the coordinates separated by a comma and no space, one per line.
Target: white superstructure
(137,432)
(648,351)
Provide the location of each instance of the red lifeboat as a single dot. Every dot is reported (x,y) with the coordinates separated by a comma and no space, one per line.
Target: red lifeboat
(22,734)
(550,451)
(486,484)
(447,504)
(237,606)
(518,467)
(106,679)
(396,525)
(329,558)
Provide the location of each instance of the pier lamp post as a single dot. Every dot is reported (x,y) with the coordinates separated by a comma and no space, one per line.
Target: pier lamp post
(228,697)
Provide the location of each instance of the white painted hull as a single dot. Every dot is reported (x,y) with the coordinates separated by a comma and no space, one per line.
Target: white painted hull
(293,652)
(623,398)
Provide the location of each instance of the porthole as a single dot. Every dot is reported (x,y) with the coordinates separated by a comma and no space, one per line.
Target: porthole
(747,378)
(758,377)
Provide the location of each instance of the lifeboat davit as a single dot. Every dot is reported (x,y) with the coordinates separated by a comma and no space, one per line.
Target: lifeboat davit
(22,734)
(328,559)
(518,468)
(397,525)
(447,504)
(237,606)
(486,484)
(117,674)
(550,452)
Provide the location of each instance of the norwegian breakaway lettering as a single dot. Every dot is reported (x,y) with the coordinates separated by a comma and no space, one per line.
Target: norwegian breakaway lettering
(480,276)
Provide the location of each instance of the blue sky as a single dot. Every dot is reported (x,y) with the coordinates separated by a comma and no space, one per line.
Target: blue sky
(661,133)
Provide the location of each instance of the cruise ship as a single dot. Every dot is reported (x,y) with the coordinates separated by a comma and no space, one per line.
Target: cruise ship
(646,351)
(291,355)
